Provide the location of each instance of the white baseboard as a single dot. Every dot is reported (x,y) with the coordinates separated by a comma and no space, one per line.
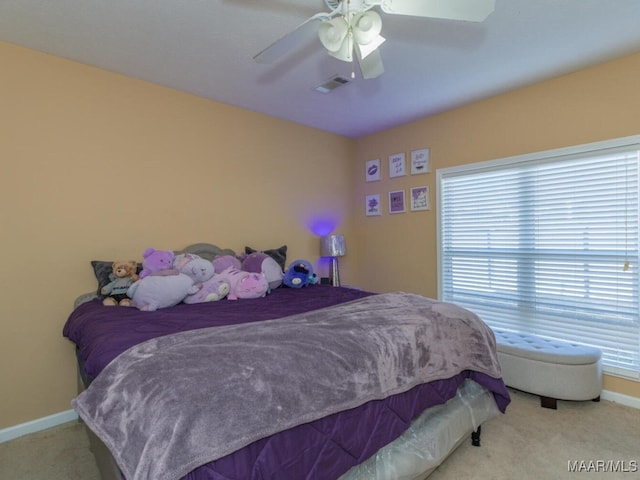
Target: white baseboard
(620,398)
(37,425)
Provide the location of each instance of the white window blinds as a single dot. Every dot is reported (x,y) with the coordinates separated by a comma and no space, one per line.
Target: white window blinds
(548,244)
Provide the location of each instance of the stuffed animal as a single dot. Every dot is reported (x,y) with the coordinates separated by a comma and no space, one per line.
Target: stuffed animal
(245,284)
(157,262)
(259,262)
(123,276)
(278,254)
(196,267)
(222,262)
(212,287)
(160,291)
(299,274)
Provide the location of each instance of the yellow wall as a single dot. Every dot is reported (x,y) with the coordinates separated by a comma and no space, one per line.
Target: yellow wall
(100,166)
(398,252)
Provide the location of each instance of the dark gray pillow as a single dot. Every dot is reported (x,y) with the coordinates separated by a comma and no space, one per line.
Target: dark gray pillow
(278,254)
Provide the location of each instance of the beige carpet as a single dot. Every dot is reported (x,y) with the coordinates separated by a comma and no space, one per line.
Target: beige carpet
(60,453)
(528,442)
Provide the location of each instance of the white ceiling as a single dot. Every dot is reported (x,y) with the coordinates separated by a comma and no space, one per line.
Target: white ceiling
(206,47)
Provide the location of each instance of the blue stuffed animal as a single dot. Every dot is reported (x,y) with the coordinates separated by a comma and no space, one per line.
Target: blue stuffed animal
(299,274)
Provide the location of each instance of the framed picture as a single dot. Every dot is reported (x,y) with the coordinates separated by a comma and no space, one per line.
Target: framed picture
(372,205)
(420,198)
(397,166)
(396,201)
(420,161)
(372,172)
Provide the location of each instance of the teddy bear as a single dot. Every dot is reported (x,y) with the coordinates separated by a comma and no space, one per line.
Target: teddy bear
(122,277)
(212,287)
(157,262)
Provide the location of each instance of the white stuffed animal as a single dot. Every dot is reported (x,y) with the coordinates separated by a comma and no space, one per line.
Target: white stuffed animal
(213,287)
(154,292)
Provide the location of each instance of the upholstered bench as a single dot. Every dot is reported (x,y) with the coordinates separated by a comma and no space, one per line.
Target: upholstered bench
(551,369)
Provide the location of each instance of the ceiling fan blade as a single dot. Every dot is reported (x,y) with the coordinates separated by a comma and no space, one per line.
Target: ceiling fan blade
(468,10)
(302,33)
(371,66)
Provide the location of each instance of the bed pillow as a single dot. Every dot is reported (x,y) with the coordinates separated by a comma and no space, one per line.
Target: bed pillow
(102,270)
(278,254)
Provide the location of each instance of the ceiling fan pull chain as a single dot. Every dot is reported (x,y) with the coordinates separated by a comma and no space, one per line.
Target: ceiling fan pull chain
(353,60)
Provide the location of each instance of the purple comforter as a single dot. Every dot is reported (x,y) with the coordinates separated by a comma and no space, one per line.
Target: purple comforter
(102,333)
(323,449)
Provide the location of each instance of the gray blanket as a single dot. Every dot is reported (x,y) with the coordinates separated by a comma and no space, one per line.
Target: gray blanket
(173,403)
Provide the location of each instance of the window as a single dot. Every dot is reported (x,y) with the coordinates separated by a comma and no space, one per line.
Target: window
(547,243)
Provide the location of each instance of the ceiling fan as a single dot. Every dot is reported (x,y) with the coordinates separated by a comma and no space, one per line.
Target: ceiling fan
(351,26)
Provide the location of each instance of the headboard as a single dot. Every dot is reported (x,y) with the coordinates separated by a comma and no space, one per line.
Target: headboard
(207,251)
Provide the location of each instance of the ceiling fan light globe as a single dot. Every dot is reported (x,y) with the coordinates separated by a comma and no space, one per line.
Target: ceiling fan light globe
(345,52)
(366,27)
(333,33)
(364,23)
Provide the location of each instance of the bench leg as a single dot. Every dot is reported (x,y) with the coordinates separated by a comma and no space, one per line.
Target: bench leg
(475,436)
(548,402)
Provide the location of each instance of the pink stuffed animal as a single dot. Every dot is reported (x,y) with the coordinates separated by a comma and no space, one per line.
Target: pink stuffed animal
(245,284)
(258,262)
(157,262)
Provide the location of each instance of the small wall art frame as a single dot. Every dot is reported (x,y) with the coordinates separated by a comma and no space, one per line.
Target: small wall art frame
(420,161)
(372,170)
(372,205)
(420,198)
(397,165)
(396,202)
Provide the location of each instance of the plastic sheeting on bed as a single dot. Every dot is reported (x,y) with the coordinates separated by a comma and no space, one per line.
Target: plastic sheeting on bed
(430,438)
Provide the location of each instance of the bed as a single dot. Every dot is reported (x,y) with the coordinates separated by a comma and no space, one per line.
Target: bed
(319,383)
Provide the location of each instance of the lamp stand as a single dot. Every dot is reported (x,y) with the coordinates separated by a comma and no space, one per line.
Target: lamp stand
(334,274)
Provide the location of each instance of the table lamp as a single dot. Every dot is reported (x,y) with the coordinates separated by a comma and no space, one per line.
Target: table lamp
(333,246)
